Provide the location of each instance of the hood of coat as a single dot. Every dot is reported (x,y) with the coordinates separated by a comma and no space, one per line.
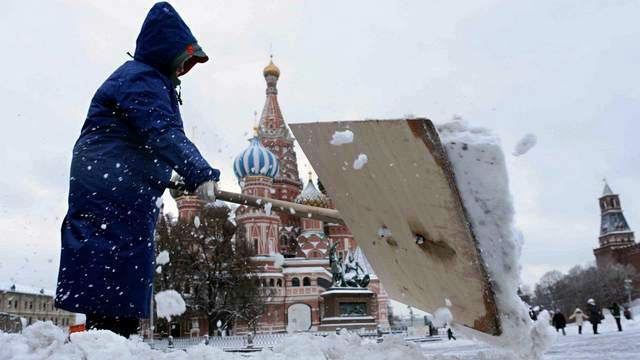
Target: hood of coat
(166,42)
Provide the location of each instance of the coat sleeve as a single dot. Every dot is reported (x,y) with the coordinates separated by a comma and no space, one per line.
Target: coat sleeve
(146,106)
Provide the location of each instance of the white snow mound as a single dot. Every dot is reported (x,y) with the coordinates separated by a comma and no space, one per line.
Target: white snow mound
(46,341)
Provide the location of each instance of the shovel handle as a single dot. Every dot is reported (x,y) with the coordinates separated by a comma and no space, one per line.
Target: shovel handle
(295,209)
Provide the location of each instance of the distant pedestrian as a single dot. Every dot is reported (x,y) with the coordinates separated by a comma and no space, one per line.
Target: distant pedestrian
(532,314)
(559,321)
(595,315)
(615,312)
(580,318)
(450,334)
(627,313)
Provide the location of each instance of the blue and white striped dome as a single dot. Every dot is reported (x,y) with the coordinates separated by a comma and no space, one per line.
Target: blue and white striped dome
(256,160)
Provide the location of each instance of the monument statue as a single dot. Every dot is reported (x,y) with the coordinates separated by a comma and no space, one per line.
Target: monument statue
(347,273)
(337,274)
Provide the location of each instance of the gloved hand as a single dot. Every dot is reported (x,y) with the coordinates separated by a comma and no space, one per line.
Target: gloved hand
(207,190)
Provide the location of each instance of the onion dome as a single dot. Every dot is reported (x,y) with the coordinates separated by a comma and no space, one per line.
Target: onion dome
(256,160)
(271,69)
(311,196)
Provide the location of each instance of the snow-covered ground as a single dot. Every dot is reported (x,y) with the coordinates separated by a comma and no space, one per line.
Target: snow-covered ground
(610,345)
(46,341)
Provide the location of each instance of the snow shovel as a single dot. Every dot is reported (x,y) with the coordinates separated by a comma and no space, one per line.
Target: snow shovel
(404,210)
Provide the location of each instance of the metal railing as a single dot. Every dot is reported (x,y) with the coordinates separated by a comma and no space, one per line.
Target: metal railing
(261,340)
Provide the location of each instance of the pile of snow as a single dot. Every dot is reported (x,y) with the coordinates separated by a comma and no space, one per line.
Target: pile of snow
(47,341)
(169,303)
(481,175)
(360,161)
(525,144)
(341,138)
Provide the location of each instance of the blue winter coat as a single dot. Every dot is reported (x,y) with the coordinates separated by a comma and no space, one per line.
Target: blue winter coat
(131,140)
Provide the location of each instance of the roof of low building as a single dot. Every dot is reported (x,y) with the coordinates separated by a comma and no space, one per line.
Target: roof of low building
(24,289)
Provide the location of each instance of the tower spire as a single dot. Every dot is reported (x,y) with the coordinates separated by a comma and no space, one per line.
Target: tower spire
(275,136)
(614,229)
(271,121)
(607,190)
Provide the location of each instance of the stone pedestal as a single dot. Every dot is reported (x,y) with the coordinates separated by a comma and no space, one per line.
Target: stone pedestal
(347,308)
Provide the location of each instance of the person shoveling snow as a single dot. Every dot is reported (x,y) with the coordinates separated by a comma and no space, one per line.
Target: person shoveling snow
(130,142)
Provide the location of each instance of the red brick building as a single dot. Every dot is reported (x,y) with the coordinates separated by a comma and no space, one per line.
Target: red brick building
(292,253)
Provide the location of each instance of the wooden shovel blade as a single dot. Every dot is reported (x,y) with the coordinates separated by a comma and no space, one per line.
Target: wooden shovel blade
(404,210)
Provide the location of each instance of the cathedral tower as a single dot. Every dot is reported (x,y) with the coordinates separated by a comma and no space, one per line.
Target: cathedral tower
(275,136)
(255,168)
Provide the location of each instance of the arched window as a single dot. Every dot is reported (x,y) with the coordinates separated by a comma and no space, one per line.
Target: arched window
(271,282)
(279,283)
(306,282)
(295,282)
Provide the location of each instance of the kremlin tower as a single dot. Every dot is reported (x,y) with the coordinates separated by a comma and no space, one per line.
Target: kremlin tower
(616,240)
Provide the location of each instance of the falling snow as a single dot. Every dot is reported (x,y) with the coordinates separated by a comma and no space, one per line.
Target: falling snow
(163,258)
(169,303)
(525,144)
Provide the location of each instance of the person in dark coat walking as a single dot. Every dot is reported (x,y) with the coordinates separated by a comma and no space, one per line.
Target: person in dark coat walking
(595,315)
(615,312)
(131,141)
(559,321)
(450,335)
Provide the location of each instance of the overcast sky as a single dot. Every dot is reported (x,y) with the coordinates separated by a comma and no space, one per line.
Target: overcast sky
(566,71)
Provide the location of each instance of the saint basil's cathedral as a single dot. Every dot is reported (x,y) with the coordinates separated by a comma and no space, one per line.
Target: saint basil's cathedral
(292,252)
